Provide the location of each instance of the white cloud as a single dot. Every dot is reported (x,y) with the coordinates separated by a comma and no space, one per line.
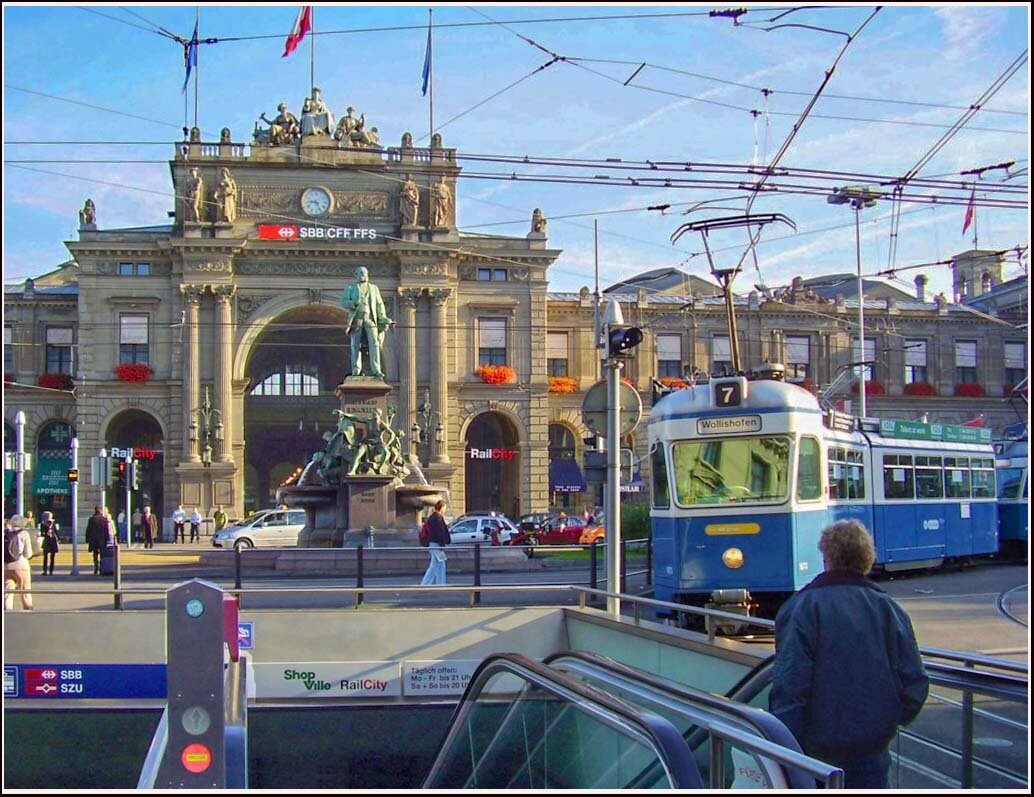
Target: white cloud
(966,28)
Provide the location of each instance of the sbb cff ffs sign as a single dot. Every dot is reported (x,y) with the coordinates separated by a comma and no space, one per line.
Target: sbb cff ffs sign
(294,232)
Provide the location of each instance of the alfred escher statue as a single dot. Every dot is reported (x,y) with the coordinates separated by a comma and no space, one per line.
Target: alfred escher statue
(367,323)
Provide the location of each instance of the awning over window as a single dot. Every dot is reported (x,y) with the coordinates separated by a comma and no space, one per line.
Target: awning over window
(51,473)
(565,477)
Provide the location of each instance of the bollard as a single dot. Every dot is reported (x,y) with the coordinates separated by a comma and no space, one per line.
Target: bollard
(359,575)
(649,561)
(475,596)
(592,563)
(118,579)
(623,564)
(237,567)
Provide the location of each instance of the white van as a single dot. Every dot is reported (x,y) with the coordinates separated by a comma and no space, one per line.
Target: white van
(268,528)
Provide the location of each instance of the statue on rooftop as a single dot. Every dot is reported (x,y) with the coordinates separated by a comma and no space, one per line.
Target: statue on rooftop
(317,120)
(284,129)
(88,215)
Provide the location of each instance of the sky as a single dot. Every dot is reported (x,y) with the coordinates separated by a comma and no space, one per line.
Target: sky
(101,84)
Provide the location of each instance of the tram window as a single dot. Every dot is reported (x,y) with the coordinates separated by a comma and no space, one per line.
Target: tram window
(659,469)
(855,474)
(898,477)
(956,477)
(809,474)
(837,473)
(1009,481)
(929,483)
(846,474)
(732,470)
(983,477)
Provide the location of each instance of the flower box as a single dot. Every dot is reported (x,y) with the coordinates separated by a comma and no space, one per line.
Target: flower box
(920,389)
(56,381)
(969,390)
(562,384)
(871,388)
(673,382)
(496,374)
(133,372)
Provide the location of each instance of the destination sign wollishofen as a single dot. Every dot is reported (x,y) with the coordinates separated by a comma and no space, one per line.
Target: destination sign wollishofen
(294,232)
(738,424)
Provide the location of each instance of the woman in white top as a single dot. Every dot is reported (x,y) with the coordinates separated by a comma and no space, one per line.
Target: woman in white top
(17,573)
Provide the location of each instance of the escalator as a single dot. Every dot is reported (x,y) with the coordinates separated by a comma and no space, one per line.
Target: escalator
(580,721)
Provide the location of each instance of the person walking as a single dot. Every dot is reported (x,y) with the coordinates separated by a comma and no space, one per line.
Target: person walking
(17,572)
(149,525)
(48,530)
(96,529)
(138,531)
(179,522)
(439,539)
(122,530)
(195,525)
(847,667)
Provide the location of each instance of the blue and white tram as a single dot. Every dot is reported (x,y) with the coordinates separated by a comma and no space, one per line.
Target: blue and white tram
(746,474)
(1013,460)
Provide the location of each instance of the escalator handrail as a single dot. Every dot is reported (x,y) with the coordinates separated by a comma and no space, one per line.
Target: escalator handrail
(667,742)
(765,725)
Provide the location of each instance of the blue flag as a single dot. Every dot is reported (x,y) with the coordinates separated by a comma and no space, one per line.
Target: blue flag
(190,57)
(427,62)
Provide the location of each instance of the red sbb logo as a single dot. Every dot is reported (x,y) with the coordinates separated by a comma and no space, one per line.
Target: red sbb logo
(492,453)
(278,232)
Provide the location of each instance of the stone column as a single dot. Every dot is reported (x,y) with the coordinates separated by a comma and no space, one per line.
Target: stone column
(408,298)
(224,369)
(191,365)
(440,367)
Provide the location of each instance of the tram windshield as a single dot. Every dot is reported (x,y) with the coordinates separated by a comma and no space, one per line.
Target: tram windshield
(731,470)
(1009,482)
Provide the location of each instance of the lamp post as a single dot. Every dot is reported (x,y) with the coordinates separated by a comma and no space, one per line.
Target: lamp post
(858,197)
(422,430)
(19,465)
(206,425)
(74,445)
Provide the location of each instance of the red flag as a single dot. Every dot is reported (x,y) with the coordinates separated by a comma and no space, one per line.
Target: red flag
(302,25)
(977,422)
(969,212)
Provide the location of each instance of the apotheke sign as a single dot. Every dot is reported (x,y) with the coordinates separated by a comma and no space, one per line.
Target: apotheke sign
(294,232)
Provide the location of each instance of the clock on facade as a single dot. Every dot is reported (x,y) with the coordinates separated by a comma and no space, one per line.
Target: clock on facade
(316,201)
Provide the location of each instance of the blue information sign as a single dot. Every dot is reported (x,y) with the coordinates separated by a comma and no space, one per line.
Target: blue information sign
(246,635)
(85,681)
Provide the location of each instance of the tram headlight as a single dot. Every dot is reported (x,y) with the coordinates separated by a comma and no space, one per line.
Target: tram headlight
(733,558)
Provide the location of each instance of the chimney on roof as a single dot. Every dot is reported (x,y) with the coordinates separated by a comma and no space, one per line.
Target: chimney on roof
(921,281)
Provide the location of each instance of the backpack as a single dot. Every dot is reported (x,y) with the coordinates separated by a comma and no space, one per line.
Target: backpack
(425,535)
(12,546)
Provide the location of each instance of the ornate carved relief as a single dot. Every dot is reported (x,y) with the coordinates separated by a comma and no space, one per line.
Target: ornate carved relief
(255,199)
(315,295)
(519,274)
(424,269)
(192,293)
(211,267)
(439,296)
(367,203)
(223,293)
(409,297)
(246,305)
(308,269)
(468,273)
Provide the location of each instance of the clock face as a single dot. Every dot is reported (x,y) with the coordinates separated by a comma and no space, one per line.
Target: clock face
(316,201)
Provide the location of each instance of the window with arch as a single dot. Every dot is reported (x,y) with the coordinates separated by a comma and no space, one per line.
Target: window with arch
(293,380)
(561,442)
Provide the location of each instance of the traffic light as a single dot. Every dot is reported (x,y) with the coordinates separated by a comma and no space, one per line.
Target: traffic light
(73,475)
(134,475)
(118,474)
(622,339)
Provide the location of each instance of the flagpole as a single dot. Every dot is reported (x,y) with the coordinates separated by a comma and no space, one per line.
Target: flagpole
(975,222)
(312,49)
(197,47)
(430,72)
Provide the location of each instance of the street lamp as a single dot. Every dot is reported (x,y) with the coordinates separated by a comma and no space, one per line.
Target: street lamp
(422,428)
(206,424)
(858,197)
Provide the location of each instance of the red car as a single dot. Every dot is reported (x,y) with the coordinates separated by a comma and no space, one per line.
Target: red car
(562,530)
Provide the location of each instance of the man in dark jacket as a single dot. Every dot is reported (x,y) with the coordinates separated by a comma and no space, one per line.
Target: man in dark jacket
(847,670)
(439,539)
(96,532)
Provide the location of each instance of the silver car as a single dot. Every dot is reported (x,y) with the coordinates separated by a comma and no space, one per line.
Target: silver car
(493,528)
(268,528)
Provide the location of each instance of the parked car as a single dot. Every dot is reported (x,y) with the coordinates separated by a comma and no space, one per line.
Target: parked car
(561,530)
(534,521)
(266,528)
(489,527)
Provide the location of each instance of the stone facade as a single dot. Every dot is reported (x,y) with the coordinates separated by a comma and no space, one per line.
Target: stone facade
(221,306)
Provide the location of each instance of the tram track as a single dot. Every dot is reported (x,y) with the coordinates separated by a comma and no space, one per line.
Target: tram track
(1001,601)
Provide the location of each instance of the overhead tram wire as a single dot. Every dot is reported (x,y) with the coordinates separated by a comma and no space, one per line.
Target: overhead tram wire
(975,107)
(770,91)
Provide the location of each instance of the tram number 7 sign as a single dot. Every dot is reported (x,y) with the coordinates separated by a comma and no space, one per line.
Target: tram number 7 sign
(728,394)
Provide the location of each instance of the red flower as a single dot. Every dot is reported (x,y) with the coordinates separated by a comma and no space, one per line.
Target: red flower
(562,384)
(56,381)
(920,389)
(673,382)
(133,372)
(871,388)
(496,374)
(969,390)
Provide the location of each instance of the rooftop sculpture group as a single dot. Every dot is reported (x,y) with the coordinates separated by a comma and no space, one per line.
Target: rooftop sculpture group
(316,120)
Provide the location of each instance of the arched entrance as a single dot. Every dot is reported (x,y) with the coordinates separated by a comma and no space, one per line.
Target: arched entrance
(493,465)
(566,482)
(140,434)
(293,368)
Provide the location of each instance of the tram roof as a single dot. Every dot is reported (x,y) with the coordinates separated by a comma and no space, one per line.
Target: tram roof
(761,394)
